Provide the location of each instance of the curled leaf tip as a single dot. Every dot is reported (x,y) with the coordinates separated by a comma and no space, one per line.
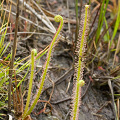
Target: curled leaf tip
(35,51)
(58,18)
(87,6)
(81,83)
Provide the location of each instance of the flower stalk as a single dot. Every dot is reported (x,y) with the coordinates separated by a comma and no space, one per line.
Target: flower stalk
(78,75)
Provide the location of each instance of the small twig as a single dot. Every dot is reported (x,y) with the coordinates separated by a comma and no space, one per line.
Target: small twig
(62,78)
(47,3)
(68,16)
(38,15)
(98,115)
(43,108)
(112,93)
(14,100)
(70,98)
(42,28)
(67,115)
(17,94)
(118,106)
(81,4)
(13,57)
(94,19)
(60,101)
(50,95)
(36,33)
(105,104)
(44,16)
(21,107)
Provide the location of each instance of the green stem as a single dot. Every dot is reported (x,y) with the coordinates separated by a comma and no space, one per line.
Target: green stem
(82,44)
(79,83)
(33,53)
(57,18)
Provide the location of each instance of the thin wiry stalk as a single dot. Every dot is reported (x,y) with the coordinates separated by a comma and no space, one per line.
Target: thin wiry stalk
(13,57)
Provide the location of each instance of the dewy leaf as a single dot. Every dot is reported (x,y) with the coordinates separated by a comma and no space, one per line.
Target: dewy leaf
(33,54)
(78,75)
(57,18)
